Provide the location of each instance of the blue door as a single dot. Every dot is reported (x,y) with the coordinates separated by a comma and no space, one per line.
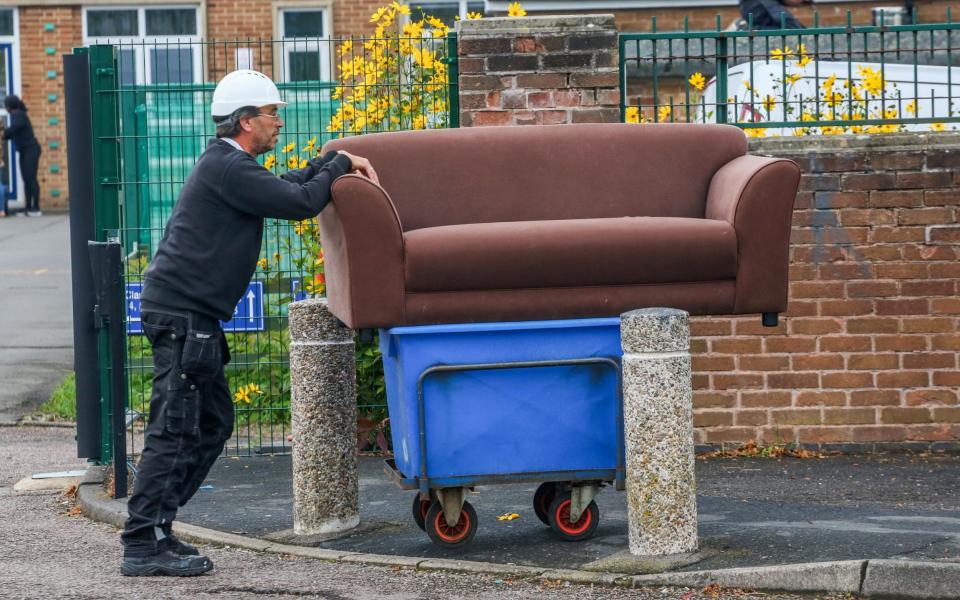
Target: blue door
(8,172)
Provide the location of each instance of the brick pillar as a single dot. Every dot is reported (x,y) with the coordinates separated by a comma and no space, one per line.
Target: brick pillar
(539,70)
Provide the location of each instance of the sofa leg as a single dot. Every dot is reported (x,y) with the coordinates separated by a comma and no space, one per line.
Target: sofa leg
(770,319)
(365,335)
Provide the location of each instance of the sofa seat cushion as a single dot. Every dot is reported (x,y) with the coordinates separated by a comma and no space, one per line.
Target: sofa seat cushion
(569,253)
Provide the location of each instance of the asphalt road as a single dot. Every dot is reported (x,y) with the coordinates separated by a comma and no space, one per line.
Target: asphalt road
(36,345)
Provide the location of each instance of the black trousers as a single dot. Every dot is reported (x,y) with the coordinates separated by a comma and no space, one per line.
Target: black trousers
(191,418)
(29,164)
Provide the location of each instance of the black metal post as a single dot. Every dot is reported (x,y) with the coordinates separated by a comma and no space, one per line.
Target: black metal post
(80,179)
(108,312)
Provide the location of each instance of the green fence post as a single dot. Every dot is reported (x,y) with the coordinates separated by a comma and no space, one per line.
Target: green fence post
(453,79)
(106,177)
(722,93)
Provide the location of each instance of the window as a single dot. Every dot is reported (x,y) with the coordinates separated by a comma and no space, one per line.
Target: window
(445,11)
(306,47)
(6,21)
(157,44)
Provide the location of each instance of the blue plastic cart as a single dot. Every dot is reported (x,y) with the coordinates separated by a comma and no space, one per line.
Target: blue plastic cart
(491,403)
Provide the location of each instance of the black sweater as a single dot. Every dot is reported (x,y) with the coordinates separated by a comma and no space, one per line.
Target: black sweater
(20,131)
(212,241)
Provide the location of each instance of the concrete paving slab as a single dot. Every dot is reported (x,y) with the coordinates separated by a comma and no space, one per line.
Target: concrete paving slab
(910,579)
(834,576)
(49,484)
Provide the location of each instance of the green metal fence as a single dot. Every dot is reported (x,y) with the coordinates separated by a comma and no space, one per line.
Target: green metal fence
(151,122)
(816,81)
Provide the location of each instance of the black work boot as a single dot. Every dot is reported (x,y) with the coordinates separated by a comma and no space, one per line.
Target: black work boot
(165,563)
(178,546)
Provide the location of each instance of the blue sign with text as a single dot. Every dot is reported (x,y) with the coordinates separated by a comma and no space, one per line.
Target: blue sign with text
(247,315)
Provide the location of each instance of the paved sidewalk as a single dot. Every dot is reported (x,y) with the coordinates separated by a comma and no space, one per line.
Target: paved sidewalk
(36,348)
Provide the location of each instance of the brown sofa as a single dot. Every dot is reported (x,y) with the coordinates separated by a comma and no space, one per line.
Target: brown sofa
(552,222)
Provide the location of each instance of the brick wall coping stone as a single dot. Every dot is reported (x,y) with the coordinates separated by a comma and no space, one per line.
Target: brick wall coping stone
(510,26)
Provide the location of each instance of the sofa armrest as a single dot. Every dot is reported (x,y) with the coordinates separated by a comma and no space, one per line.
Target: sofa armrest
(756,195)
(364,254)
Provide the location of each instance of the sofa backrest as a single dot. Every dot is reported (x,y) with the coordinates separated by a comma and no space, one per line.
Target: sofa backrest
(527,173)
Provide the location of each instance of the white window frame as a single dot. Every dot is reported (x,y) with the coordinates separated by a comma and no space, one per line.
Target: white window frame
(320,45)
(463,5)
(143,68)
(16,86)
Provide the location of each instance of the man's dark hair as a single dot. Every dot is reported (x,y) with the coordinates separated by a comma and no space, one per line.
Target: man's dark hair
(13,102)
(229,126)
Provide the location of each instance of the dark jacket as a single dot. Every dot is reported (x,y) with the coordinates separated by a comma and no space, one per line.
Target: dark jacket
(210,248)
(20,131)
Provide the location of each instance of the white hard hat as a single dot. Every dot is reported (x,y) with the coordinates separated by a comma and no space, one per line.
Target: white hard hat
(243,88)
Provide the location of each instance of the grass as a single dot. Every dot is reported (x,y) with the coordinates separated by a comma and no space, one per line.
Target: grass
(63,401)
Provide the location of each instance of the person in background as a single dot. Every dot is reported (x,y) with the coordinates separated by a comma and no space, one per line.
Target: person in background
(20,132)
(3,179)
(771,14)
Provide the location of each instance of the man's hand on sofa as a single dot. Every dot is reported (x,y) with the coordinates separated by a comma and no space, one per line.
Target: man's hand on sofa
(362,166)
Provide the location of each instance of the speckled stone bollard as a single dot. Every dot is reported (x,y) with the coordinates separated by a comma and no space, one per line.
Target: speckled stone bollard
(658,432)
(323,411)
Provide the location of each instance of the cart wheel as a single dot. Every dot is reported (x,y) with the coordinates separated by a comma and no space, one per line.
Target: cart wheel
(560,519)
(542,499)
(451,537)
(420,508)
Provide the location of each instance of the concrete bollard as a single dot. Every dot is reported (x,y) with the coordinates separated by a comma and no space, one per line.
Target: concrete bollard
(323,411)
(658,432)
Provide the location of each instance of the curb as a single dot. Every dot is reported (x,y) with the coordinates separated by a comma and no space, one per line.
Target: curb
(866,578)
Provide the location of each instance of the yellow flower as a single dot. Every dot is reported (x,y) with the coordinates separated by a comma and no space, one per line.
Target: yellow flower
(276,257)
(872,80)
(474,15)
(938,127)
(244,391)
(911,108)
(829,82)
(292,162)
(756,132)
(403,9)
(270,161)
(345,47)
(890,113)
(515,10)
(419,122)
(311,143)
(746,84)
(376,16)
(769,103)
(303,163)
(289,147)
(301,227)
(791,79)
(632,115)
(778,54)
(664,113)
(262,263)
(697,80)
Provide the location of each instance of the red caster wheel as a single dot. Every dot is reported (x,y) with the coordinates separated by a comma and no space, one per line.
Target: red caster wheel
(560,519)
(542,499)
(451,537)
(420,508)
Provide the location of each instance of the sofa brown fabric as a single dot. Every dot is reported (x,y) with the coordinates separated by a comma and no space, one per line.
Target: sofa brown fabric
(511,223)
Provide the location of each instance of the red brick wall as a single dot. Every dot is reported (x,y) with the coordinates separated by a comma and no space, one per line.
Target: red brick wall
(35,62)
(868,349)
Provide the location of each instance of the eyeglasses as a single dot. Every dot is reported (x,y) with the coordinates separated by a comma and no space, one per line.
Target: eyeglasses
(268,115)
